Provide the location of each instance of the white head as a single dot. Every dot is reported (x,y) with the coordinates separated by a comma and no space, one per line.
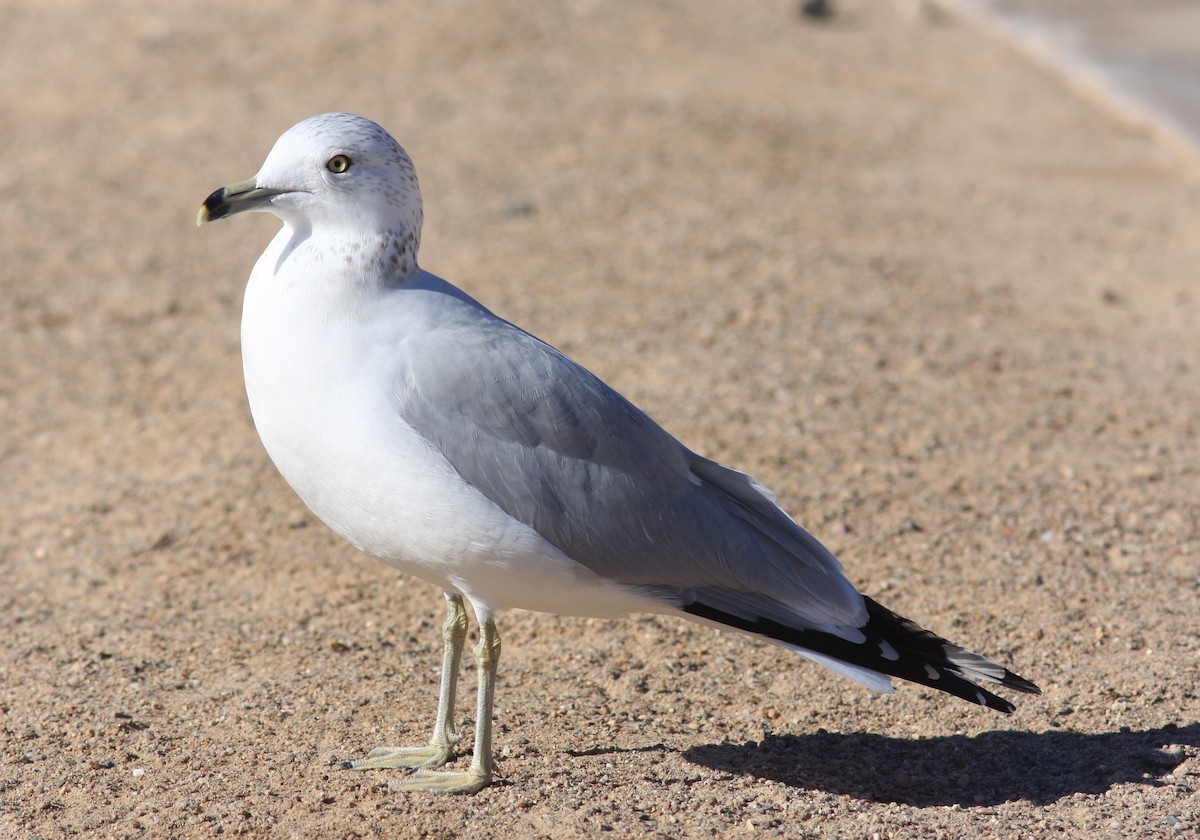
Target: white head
(333,174)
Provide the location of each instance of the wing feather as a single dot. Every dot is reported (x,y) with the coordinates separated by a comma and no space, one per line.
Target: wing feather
(557,449)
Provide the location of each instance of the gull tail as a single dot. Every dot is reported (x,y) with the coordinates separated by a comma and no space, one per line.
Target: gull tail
(891,645)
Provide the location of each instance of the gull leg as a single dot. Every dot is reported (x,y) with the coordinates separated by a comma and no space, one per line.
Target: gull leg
(479,774)
(441,744)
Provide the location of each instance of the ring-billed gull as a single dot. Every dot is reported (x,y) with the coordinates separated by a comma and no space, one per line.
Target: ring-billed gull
(450,443)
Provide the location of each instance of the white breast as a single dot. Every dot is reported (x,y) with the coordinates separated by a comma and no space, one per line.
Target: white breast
(317,359)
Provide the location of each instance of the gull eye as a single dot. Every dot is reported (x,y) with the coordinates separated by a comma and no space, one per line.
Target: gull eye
(338,164)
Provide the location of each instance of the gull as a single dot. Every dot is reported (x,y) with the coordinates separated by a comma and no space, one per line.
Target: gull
(444,440)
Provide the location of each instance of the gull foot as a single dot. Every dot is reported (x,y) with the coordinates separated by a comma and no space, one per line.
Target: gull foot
(432,755)
(472,780)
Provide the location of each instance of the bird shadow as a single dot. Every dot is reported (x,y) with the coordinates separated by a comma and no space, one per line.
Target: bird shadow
(985,769)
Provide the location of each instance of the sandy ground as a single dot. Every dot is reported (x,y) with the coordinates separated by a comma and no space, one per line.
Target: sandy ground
(945,307)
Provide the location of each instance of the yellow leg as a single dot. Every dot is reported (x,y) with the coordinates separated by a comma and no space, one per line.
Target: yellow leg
(479,774)
(441,744)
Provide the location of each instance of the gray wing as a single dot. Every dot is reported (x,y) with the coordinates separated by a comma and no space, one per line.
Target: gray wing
(557,449)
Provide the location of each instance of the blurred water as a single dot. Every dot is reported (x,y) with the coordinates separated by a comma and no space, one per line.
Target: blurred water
(1146,53)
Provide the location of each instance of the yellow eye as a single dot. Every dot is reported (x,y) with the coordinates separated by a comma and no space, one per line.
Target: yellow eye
(338,164)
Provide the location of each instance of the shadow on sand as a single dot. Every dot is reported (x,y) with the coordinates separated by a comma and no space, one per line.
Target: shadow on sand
(986,769)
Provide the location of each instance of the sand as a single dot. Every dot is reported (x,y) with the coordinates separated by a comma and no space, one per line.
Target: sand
(941,303)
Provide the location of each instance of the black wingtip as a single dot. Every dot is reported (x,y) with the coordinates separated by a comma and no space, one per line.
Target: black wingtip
(1019,683)
(895,646)
(934,652)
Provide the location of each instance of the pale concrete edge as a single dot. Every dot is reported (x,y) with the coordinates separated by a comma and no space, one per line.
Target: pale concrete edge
(1080,77)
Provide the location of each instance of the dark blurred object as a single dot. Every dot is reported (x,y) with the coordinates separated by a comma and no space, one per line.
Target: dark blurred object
(817,9)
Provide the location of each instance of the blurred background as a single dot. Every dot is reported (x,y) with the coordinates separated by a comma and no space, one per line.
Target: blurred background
(872,253)
(1142,58)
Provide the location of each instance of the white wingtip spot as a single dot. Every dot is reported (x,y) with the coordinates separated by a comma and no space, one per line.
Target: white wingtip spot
(932,672)
(888,651)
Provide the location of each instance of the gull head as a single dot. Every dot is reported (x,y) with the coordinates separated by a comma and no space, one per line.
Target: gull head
(333,174)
